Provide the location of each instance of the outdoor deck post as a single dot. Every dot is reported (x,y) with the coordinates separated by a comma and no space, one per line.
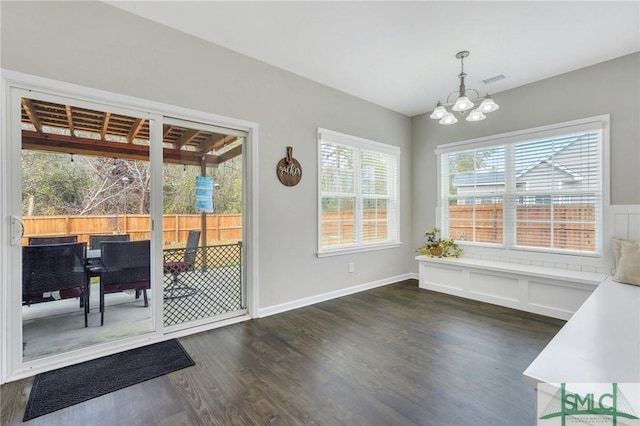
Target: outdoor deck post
(203,218)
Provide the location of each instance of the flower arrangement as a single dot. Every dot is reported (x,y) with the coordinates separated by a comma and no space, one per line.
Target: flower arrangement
(439,247)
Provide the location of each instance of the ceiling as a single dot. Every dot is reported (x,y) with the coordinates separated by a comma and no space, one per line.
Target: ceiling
(401,55)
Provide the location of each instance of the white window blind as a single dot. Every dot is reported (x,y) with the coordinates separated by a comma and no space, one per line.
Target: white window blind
(539,191)
(358,191)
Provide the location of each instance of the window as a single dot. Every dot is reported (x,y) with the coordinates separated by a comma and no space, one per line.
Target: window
(358,194)
(540,189)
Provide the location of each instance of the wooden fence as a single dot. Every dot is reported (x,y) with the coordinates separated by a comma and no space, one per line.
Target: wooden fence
(574,225)
(225,228)
(337,227)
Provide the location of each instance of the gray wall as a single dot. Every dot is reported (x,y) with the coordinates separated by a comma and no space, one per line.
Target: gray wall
(95,45)
(98,46)
(611,87)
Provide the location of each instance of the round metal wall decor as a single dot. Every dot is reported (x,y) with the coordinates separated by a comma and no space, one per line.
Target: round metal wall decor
(289,170)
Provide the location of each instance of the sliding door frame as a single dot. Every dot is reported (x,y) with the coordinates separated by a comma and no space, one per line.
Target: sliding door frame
(11,365)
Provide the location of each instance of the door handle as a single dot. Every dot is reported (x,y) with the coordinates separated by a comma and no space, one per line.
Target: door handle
(17,231)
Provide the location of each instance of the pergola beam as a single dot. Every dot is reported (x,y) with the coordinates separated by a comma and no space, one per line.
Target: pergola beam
(31,113)
(105,125)
(223,141)
(185,138)
(137,125)
(69,118)
(112,135)
(94,147)
(233,152)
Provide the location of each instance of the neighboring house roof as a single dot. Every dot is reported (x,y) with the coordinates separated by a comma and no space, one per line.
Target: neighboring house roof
(555,164)
(481,177)
(478,178)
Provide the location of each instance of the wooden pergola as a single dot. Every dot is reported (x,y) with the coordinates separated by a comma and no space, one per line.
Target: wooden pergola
(53,127)
(63,128)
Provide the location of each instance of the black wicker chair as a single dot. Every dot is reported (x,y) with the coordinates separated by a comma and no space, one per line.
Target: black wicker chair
(125,266)
(51,272)
(40,241)
(95,242)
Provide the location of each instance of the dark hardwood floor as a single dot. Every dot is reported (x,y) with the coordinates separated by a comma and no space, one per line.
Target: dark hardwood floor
(395,355)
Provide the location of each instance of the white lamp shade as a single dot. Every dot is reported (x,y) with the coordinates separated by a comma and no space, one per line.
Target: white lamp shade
(448,119)
(488,105)
(476,115)
(439,112)
(463,103)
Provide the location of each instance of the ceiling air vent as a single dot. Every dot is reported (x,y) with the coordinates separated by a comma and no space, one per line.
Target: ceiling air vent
(494,79)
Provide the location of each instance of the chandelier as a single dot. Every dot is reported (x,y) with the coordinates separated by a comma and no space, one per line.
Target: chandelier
(464,101)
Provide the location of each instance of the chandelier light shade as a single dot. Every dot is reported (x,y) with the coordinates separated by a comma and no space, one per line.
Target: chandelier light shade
(448,119)
(439,112)
(463,101)
(488,105)
(476,115)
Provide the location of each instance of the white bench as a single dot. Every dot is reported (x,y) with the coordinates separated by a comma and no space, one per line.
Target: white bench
(599,344)
(543,290)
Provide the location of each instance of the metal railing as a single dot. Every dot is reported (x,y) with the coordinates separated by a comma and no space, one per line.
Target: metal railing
(213,285)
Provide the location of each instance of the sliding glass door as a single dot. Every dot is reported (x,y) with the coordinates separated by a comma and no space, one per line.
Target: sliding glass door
(81,224)
(203,196)
(122,224)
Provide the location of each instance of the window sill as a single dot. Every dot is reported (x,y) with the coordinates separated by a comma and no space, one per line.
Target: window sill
(359,249)
(524,250)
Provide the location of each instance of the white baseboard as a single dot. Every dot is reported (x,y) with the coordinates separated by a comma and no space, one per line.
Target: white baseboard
(300,303)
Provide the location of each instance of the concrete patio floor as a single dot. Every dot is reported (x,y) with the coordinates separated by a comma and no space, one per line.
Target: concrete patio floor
(56,327)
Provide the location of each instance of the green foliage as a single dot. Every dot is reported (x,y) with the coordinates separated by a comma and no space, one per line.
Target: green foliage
(180,183)
(464,162)
(227,198)
(51,184)
(178,190)
(469,161)
(447,247)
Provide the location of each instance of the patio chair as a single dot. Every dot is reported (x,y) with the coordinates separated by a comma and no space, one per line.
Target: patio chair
(95,243)
(176,290)
(126,265)
(95,240)
(39,241)
(52,272)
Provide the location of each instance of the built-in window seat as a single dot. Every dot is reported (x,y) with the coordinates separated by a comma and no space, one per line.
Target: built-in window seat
(600,343)
(539,289)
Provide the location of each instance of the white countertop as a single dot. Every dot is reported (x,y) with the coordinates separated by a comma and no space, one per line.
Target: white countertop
(599,344)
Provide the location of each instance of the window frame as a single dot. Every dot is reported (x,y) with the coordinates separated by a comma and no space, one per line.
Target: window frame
(392,196)
(600,123)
